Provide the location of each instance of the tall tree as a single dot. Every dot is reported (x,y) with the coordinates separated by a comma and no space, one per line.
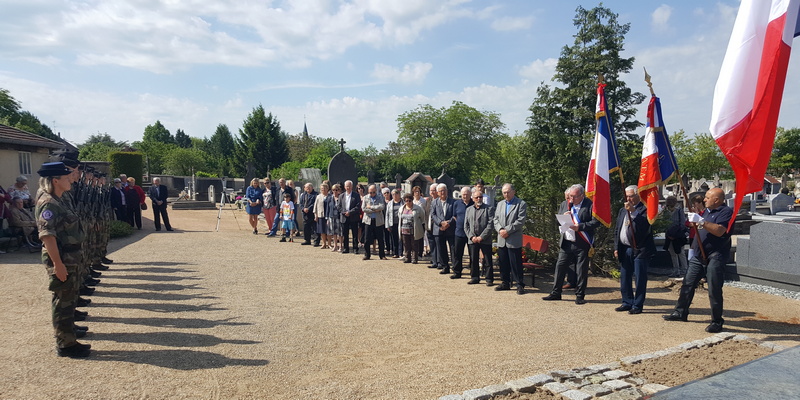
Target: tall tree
(102,138)
(9,107)
(158,133)
(182,139)
(261,142)
(555,150)
(429,137)
(221,150)
(786,153)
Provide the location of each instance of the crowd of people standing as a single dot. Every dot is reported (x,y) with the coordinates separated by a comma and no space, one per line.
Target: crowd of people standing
(387,223)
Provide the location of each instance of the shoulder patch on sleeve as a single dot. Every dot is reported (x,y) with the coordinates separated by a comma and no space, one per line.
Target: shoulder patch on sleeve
(47,215)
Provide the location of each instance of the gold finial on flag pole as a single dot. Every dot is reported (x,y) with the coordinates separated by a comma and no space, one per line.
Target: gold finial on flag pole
(649,84)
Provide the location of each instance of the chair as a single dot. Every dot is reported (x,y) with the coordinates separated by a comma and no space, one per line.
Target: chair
(539,246)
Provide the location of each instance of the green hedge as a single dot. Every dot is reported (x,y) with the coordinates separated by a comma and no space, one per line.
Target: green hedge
(128,163)
(120,229)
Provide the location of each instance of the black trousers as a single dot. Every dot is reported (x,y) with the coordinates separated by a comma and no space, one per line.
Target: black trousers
(395,245)
(135,215)
(349,226)
(458,253)
(159,212)
(510,265)
(309,226)
(122,214)
(444,247)
(374,232)
(714,273)
(476,251)
(571,254)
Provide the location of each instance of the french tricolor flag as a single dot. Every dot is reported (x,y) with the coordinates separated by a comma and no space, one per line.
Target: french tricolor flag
(605,160)
(748,94)
(658,159)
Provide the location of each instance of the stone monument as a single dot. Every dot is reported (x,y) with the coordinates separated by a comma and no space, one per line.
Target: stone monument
(446,179)
(342,167)
(780,202)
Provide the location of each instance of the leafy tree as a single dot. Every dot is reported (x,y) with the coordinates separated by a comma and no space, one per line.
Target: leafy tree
(261,142)
(183,161)
(157,133)
(786,152)
(221,149)
(429,137)
(28,122)
(96,151)
(288,170)
(321,154)
(555,149)
(103,138)
(699,156)
(9,107)
(300,146)
(182,139)
(155,155)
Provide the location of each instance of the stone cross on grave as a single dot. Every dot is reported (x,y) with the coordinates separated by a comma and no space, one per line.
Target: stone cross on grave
(398,181)
(341,145)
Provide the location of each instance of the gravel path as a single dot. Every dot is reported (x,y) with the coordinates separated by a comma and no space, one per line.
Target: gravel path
(201,314)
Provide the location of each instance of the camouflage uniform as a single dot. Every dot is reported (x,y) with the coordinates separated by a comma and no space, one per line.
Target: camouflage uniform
(57,218)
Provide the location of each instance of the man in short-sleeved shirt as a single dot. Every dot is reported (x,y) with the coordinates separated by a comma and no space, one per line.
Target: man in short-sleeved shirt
(713,230)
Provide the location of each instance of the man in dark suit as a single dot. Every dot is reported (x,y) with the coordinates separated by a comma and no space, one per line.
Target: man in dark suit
(307,200)
(575,248)
(478,226)
(633,247)
(443,223)
(350,210)
(158,195)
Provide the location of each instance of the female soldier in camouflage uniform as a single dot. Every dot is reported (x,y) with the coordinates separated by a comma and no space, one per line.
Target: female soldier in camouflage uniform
(61,235)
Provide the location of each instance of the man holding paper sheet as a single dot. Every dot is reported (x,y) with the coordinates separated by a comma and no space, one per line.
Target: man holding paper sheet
(577,236)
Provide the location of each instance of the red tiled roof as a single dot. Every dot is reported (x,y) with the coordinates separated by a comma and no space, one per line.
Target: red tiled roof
(15,136)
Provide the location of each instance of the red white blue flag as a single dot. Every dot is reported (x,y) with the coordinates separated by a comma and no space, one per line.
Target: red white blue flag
(658,159)
(604,161)
(749,90)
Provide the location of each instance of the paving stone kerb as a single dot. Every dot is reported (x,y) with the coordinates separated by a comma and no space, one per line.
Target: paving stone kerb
(602,381)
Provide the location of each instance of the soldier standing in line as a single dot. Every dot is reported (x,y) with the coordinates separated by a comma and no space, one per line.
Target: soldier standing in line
(62,235)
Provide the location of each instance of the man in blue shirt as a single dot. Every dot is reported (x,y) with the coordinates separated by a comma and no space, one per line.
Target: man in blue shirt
(710,262)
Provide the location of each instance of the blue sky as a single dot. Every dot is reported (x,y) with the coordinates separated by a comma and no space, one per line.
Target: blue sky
(350,67)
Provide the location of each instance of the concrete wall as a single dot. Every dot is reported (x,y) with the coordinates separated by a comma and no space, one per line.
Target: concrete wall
(9,167)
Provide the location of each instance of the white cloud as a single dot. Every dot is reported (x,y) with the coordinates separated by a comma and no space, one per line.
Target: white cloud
(539,70)
(413,73)
(512,23)
(162,36)
(660,18)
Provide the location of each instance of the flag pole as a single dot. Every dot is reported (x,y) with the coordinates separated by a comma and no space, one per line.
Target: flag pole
(686,200)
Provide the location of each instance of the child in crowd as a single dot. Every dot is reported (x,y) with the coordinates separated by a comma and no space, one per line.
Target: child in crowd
(287,217)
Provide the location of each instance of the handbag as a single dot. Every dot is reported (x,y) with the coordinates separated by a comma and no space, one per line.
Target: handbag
(143,206)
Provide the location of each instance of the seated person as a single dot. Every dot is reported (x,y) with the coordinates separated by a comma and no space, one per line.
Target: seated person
(23,218)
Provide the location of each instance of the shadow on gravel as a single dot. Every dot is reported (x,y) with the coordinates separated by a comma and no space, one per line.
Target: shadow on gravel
(163,308)
(156,277)
(185,360)
(157,263)
(183,323)
(152,286)
(152,270)
(153,296)
(170,339)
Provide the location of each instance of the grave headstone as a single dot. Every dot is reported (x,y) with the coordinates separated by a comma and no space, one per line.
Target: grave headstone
(370,177)
(342,167)
(310,175)
(211,194)
(398,181)
(447,180)
(780,202)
